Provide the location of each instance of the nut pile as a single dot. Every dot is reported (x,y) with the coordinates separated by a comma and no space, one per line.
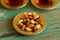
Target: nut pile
(29,22)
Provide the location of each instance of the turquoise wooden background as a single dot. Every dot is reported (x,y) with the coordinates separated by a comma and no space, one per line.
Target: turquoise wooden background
(52,31)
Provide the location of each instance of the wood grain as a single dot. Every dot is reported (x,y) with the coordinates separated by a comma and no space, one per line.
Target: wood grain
(52,31)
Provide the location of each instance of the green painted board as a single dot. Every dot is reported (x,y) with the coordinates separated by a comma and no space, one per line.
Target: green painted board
(52,31)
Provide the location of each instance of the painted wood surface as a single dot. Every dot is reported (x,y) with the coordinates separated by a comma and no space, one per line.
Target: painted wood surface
(52,31)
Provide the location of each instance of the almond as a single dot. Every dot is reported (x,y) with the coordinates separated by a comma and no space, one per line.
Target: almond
(31,25)
(23,27)
(28,19)
(41,22)
(34,29)
(28,23)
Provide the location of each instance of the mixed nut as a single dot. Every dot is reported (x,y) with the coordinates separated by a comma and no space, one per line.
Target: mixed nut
(30,22)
